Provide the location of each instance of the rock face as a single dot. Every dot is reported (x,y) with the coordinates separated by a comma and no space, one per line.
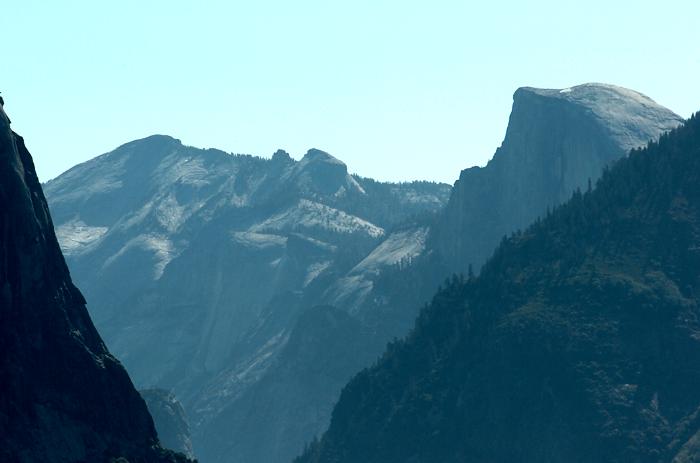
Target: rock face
(557,141)
(63,396)
(205,267)
(170,420)
(578,341)
(289,404)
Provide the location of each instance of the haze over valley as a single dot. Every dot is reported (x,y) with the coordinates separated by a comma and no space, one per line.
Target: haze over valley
(281,301)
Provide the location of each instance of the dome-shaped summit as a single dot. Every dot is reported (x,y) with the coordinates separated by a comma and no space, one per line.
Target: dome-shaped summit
(632,118)
(321,173)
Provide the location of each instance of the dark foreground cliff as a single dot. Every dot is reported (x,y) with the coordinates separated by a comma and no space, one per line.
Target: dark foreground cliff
(578,342)
(63,397)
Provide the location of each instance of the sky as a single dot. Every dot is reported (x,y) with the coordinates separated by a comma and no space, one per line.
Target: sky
(398,90)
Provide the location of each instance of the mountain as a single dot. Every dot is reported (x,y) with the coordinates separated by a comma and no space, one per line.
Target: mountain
(557,141)
(204,267)
(170,420)
(579,340)
(208,270)
(63,396)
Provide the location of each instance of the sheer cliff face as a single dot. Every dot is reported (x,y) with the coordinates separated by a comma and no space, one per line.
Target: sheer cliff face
(578,341)
(63,397)
(557,141)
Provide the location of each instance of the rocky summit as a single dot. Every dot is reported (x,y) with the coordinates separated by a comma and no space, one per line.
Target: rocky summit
(557,141)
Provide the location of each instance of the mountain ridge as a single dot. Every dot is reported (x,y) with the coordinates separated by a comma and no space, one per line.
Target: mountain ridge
(577,342)
(217,256)
(236,253)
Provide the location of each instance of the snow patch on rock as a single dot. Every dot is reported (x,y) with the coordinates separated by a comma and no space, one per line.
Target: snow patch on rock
(75,236)
(352,289)
(170,214)
(308,214)
(314,270)
(160,247)
(401,245)
(258,240)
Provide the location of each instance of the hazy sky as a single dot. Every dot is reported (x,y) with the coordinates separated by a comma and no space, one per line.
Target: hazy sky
(398,90)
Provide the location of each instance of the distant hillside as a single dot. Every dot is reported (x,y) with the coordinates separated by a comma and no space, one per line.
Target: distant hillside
(578,342)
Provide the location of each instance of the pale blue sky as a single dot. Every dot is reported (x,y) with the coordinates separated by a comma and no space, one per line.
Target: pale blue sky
(399,90)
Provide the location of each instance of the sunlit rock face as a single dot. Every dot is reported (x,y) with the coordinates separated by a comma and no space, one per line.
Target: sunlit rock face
(63,396)
(557,141)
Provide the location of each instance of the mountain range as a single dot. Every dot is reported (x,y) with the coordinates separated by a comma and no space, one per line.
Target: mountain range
(199,264)
(256,288)
(579,341)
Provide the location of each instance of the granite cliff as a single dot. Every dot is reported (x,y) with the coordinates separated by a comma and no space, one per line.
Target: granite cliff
(63,396)
(556,141)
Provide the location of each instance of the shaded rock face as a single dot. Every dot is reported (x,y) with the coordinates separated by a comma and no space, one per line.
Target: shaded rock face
(63,396)
(324,349)
(578,341)
(557,141)
(202,266)
(170,420)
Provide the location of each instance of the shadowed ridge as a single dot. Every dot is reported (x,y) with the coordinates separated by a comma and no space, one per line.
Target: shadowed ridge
(63,396)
